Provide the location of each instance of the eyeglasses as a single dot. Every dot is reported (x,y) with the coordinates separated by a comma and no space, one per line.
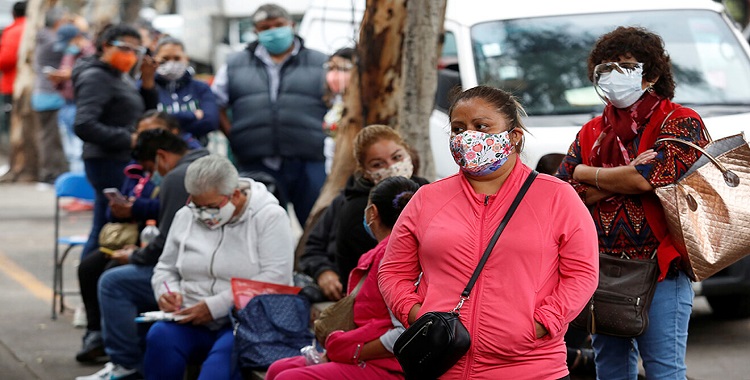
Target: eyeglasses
(199,211)
(126,47)
(335,67)
(162,60)
(621,67)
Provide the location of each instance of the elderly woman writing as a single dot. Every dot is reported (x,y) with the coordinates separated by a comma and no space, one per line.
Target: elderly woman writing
(231,228)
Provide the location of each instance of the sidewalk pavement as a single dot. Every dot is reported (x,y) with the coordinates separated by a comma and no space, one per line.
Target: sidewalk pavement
(32,346)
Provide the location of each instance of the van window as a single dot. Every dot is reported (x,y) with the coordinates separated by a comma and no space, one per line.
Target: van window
(449,56)
(543,60)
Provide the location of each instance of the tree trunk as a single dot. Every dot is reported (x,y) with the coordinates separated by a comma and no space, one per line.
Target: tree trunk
(103,12)
(421,50)
(24,163)
(74,6)
(130,10)
(372,97)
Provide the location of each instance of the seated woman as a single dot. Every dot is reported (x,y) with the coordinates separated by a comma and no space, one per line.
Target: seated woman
(142,204)
(367,351)
(338,239)
(231,228)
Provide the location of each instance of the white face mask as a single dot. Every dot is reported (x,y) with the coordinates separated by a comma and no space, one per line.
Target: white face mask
(212,217)
(172,70)
(622,89)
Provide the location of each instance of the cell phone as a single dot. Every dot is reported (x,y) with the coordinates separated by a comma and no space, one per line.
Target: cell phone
(114,195)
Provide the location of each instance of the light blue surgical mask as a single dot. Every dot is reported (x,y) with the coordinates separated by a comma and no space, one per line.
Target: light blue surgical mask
(155,178)
(277,40)
(367,225)
(72,49)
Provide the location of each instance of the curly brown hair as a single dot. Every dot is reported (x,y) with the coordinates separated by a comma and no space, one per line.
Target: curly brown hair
(643,45)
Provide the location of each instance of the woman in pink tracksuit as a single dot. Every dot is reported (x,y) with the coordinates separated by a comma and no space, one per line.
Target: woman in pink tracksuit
(541,273)
(367,351)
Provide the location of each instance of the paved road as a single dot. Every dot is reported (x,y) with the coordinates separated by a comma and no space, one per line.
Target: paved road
(34,347)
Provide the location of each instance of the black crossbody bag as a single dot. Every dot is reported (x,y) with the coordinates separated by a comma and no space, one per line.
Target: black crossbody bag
(438,340)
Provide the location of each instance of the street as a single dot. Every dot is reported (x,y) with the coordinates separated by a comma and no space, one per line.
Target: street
(34,347)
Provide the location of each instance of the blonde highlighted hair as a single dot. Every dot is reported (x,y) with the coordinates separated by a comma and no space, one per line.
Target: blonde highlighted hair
(370,135)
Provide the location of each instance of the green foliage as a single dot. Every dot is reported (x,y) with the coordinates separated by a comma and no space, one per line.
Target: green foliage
(737,10)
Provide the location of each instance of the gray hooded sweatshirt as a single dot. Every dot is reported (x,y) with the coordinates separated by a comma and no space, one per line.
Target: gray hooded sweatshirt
(199,263)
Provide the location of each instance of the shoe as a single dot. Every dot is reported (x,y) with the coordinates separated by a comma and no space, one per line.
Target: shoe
(93,348)
(112,371)
(79,317)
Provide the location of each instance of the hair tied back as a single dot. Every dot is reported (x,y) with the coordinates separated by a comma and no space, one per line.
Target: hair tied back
(401,199)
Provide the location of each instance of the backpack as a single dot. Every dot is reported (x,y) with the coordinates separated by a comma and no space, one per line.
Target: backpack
(271,327)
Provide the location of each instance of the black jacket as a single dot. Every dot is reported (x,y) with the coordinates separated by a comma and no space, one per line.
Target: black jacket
(108,103)
(172,197)
(320,249)
(291,125)
(339,238)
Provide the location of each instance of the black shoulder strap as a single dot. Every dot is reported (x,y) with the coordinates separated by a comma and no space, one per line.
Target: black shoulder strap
(500,228)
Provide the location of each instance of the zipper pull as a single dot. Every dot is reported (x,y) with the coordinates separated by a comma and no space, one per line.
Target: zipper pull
(426,328)
(593,319)
(486,199)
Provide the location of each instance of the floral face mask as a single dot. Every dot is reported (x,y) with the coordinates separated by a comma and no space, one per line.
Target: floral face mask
(479,153)
(403,168)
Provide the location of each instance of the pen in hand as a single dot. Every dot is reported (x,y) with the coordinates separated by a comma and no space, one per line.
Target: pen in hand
(171,295)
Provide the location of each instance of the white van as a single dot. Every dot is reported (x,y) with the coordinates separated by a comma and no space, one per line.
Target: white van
(537,49)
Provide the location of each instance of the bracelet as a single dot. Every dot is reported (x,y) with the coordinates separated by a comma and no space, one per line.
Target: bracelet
(356,353)
(596,178)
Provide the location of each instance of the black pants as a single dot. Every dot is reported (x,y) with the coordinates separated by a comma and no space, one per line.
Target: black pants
(91,268)
(7,106)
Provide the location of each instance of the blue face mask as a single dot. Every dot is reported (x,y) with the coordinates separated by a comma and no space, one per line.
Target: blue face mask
(72,49)
(277,40)
(155,178)
(367,226)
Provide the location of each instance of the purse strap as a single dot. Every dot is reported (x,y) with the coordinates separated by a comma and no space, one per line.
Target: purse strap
(491,245)
(730,178)
(703,125)
(359,285)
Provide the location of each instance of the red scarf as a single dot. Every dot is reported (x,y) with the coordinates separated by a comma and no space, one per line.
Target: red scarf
(620,127)
(667,252)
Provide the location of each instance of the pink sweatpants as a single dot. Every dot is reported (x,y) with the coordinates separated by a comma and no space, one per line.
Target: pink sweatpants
(295,369)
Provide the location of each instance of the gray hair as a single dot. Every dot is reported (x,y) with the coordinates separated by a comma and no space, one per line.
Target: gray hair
(211,173)
(54,15)
(169,40)
(270,11)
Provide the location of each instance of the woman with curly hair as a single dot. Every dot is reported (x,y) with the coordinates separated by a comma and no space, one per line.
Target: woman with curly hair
(615,164)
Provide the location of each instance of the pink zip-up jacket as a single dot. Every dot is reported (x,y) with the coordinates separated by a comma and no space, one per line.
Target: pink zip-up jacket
(544,267)
(370,315)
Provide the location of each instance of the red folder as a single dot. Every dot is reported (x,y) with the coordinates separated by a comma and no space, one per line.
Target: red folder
(243,290)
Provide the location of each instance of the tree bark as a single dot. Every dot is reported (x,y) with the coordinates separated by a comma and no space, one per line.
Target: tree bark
(24,163)
(130,10)
(372,97)
(103,12)
(421,50)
